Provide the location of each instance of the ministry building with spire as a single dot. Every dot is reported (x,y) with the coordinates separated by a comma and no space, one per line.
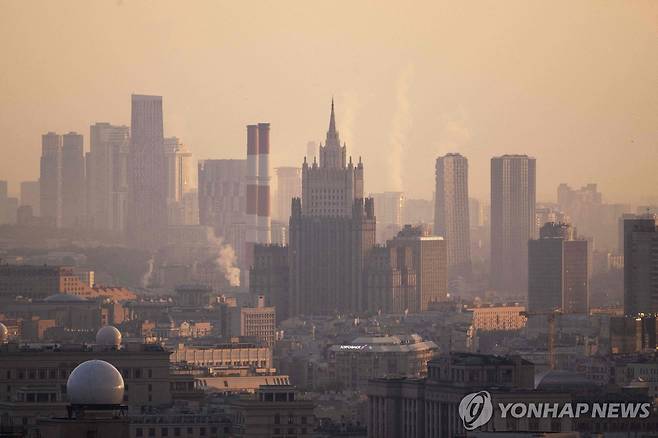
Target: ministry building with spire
(332,231)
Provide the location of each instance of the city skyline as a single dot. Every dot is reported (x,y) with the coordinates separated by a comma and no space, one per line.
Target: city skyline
(419,108)
(328,219)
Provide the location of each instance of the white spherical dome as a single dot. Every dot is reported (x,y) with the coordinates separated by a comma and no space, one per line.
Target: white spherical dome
(4,333)
(109,336)
(95,382)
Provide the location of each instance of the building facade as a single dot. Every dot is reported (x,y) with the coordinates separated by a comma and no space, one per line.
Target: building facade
(351,366)
(400,407)
(107,177)
(451,212)
(179,178)
(558,272)
(50,178)
(147,196)
(513,182)
(39,282)
(408,274)
(270,276)
(640,266)
(332,230)
(73,180)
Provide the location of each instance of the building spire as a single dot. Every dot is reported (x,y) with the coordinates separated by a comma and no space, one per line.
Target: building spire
(332,119)
(332,155)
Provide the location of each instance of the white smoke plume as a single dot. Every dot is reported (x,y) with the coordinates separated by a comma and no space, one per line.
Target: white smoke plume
(225,260)
(400,125)
(146,278)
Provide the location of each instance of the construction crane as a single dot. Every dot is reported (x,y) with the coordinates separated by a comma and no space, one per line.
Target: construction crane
(552,359)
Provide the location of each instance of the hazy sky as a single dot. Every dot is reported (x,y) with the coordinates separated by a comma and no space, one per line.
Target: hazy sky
(574,83)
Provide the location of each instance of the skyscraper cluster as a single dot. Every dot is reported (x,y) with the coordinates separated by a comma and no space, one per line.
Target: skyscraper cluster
(132,183)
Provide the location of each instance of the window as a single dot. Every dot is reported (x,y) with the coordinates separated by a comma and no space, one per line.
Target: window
(164,432)
(139,432)
(176,431)
(277,419)
(151,431)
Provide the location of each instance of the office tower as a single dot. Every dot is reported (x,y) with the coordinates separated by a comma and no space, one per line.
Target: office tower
(222,199)
(451,214)
(269,276)
(30,195)
(408,274)
(179,178)
(332,230)
(640,265)
(107,177)
(289,185)
(50,178)
(147,194)
(179,168)
(558,271)
(73,180)
(512,221)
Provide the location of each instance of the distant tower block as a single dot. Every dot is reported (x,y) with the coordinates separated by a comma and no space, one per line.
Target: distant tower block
(264,218)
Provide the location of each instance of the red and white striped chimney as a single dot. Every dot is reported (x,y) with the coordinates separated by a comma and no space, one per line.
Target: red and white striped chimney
(251,231)
(264,219)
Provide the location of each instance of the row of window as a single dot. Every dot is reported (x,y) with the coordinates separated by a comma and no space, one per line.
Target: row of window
(58,373)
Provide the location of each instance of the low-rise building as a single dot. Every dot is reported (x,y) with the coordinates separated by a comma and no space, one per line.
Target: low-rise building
(498,318)
(369,357)
(274,411)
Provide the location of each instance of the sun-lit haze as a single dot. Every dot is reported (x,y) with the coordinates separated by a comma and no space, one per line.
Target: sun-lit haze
(572,83)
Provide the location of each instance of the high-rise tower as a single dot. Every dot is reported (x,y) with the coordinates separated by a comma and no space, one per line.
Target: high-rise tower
(107,178)
(50,177)
(512,221)
(73,180)
(558,276)
(640,265)
(451,216)
(147,201)
(332,230)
